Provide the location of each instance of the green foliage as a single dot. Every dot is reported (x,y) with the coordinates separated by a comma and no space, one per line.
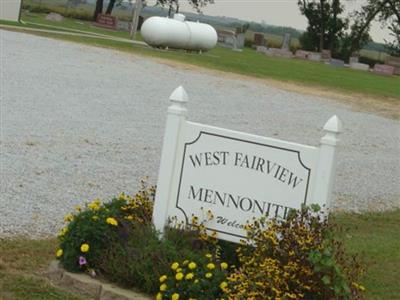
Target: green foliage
(92,230)
(394,46)
(174,4)
(296,258)
(62,10)
(190,279)
(145,256)
(325,25)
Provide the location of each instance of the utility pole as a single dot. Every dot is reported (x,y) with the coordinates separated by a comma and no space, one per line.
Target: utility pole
(135,17)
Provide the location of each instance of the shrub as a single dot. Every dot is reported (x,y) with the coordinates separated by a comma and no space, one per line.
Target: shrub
(94,228)
(191,279)
(296,258)
(146,257)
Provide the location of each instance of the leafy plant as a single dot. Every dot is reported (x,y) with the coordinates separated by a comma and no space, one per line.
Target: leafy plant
(191,279)
(91,230)
(296,258)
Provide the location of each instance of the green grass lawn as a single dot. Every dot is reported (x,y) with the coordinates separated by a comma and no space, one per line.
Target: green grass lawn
(248,62)
(376,237)
(373,235)
(22,262)
(73,25)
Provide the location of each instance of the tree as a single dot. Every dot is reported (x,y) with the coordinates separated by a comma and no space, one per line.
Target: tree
(110,7)
(394,46)
(385,11)
(98,9)
(325,25)
(174,4)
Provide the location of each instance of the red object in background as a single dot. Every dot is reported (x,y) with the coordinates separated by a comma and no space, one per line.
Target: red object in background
(106,21)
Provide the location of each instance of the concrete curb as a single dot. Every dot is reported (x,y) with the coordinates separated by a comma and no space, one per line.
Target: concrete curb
(90,287)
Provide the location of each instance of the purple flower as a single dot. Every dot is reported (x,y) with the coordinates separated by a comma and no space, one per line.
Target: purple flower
(82,261)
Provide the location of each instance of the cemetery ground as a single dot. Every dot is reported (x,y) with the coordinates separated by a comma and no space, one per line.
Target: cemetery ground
(311,77)
(93,140)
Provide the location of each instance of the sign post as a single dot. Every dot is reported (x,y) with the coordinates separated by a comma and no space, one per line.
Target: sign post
(237,176)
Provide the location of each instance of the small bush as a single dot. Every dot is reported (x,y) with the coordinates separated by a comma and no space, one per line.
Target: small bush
(194,279)
(146,257)
(296,258)
(94,228)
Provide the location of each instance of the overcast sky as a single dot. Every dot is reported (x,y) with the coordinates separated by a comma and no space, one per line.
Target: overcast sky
(276,12)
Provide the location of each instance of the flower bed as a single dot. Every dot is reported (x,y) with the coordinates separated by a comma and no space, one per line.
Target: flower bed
(296,258)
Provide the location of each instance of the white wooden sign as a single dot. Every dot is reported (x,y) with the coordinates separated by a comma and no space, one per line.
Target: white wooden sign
(235,175)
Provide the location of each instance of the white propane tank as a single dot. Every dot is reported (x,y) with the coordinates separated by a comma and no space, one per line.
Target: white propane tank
(178,33)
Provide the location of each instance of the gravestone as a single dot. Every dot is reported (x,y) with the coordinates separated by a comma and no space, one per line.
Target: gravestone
(123,25)
(338,63)
(106,21)
(54,17)
(326,55)
(353,59)
(237,176)
(230,39)
(261,49)
(286,42)
(394,62)
(259,40)
(359,66)
(302,54)
(314,56)
(276,52)
(383,69)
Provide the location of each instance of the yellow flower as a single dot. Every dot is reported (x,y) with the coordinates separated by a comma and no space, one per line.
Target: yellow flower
(78,208)
(63,231)
(84,248)
(358,286)
(112,221)
(163,278)
(94,205)
(224,266)
(223,285)
(122,196)
(163,287)
(159,296)
(210,266)
(68,218)
(208,275)
(185,262)
(208,255)
(189,276)
(175,296)
(192,265)
(59,253)
(174,266)
(178,270)
(179,276)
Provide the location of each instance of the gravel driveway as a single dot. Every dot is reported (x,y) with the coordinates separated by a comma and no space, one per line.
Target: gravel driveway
(80,122)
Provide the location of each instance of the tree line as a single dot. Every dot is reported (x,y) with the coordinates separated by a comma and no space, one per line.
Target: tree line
(327,28)
(344,36)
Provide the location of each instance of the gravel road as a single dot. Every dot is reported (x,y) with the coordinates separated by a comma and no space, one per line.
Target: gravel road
(80,122)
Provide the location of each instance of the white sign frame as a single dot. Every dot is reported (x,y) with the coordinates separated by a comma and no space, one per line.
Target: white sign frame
(182,135)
